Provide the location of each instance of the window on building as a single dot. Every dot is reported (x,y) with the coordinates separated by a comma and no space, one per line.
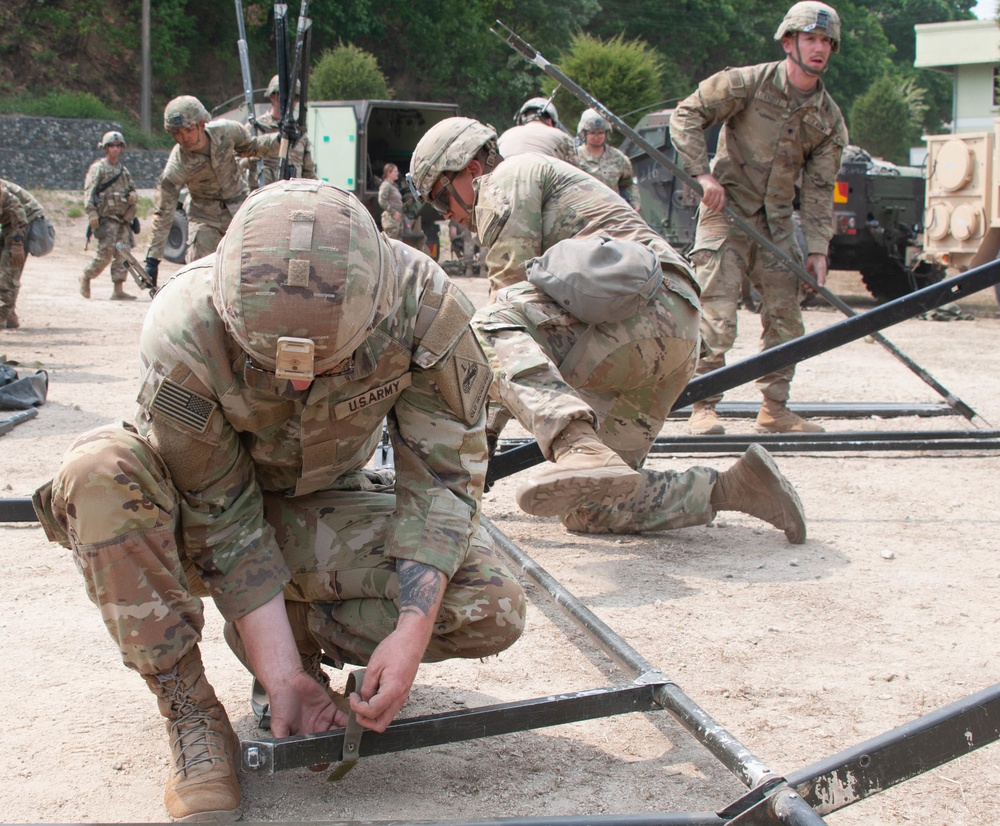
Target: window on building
(996,85)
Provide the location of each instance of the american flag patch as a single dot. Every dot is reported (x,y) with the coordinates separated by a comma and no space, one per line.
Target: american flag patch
(182,406)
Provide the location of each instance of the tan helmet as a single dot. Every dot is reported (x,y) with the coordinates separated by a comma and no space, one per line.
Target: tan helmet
(303,261)
(111,137)
(273,88)
(534,108)
(447,146)
(808,16)
(184,112)
(591,121)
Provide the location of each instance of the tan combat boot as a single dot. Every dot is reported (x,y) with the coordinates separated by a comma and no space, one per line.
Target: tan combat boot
(775,417)
(84,286)
(13,322)
(755,486)
(119,294)
(203,787)
(584,472)
(704,421)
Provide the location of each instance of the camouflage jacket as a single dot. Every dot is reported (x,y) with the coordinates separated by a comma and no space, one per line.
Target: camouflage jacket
(216,184)
(530,202)
(19,209)
(771,137)
(299,155)
(389,197)
(612,168)
(228,432)
(112,201)
(537,137)
(13,219)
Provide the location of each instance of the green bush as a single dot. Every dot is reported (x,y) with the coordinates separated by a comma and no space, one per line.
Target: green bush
(348,73)
(881,120)
(624,75)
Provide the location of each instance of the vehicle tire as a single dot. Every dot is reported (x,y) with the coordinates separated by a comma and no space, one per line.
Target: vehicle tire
(177,240)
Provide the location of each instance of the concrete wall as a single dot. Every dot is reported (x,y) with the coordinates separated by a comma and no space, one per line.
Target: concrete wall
(55,153)
(974,107)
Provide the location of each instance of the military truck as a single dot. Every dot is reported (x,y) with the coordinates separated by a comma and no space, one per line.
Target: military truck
(963,199)
(878,211)
(351,141)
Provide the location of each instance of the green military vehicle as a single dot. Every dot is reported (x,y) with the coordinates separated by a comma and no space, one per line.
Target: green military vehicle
(878,211)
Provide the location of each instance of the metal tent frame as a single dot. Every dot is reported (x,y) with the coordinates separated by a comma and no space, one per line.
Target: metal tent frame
(799,799)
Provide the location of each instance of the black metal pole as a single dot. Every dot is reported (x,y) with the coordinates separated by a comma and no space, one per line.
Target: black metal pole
(792,352)
(726,748)
(530,54)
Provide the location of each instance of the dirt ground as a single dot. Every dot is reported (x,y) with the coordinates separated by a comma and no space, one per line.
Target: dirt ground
(889,611)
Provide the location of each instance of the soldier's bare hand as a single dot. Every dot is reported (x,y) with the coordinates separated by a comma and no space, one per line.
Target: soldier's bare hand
(302,706)
(388,679)
(713,194)
(17,254)
(95,223)
(133,196)
(816,266)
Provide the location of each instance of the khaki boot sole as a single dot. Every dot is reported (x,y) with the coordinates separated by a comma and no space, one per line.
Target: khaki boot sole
(798,427)
(760,463)
(555,492)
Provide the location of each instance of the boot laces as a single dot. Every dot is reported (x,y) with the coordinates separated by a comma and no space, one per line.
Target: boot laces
(190,728)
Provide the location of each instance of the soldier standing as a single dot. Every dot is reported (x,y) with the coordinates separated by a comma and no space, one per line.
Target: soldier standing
(300,157)
(110,198)
(537,129)
(780,126)
(609,165)
(204,161)
(269,368)
(594,390)
(391,202)
(18,208)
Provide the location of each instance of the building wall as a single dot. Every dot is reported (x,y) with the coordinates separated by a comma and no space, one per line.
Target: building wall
(975,98)
(55,153)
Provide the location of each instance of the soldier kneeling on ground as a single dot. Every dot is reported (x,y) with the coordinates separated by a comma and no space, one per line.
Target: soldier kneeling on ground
(592,380)
(269,369)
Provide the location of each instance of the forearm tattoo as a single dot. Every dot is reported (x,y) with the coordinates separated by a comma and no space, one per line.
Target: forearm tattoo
(420,587)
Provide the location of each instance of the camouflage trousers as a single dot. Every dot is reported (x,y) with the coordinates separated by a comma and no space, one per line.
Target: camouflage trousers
(114,505)
(391,226)
(623,377)
(10,279)
(111,232)
(723,255)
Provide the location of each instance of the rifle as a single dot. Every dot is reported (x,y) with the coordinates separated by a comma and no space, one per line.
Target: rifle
(287,78)
(530,54)
(241,46)
(135,268)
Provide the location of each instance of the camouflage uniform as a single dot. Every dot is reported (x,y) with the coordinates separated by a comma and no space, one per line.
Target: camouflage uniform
(391,202)
(299,156)
(17,209)
(216,184)
(245,487)
(550,368)
(114,210)
(624,377)
(773,137)
(537,137)
(612,168)
(530,202)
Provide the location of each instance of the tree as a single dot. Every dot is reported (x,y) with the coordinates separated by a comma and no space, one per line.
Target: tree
(348,73)
(624,75)
(880,120)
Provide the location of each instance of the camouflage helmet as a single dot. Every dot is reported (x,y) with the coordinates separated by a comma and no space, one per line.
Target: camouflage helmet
(274,87)
(447,146)
(111,137)
(533,108)
(809,15)
(590,121)
(184,112)
(303,259)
